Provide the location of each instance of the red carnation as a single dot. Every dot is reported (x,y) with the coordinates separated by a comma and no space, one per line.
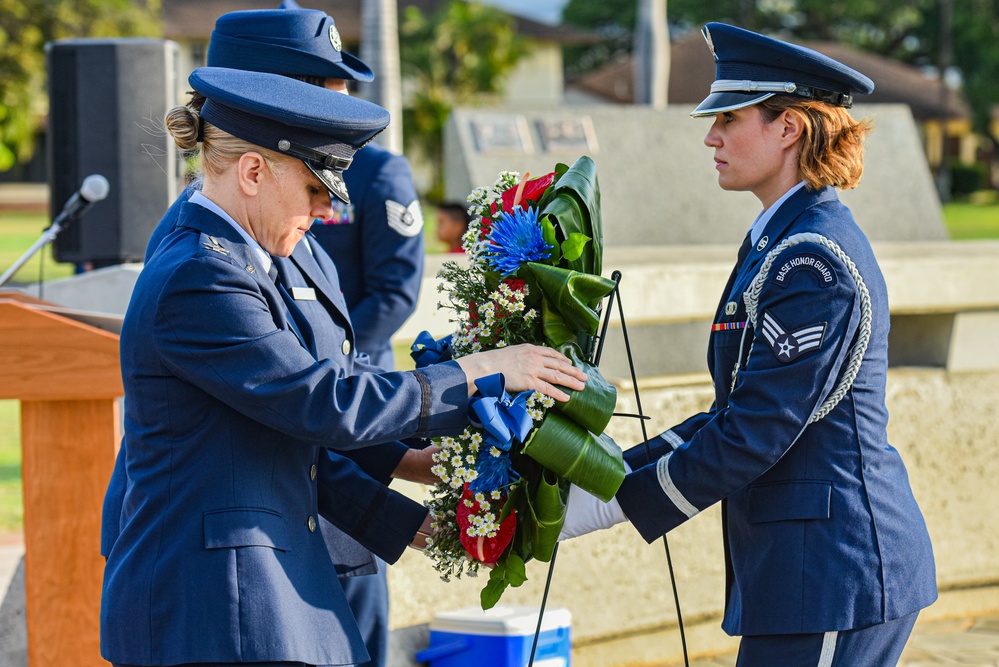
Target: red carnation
(485,549)
(532,193)
(516,284)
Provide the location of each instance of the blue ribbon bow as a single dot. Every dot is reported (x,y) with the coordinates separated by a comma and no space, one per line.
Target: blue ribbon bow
(427,351)
(504,419)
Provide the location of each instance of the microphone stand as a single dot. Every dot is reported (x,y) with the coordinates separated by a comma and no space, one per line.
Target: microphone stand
(48,236)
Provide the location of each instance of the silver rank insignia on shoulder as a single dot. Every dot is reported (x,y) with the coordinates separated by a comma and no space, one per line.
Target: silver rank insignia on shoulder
(215,246)
(787,346)
(249,268)
(731,307)
(762,244)
(407,220)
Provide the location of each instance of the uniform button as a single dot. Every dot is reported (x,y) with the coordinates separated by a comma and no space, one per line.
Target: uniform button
(312,524)
(312,471)
(345,347)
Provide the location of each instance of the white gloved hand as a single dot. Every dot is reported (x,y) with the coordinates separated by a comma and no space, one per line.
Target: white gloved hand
(585,513)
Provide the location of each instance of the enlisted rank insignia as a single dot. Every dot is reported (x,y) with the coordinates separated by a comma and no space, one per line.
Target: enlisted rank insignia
(335,38)
(788,346)
(215,246)
(407,220)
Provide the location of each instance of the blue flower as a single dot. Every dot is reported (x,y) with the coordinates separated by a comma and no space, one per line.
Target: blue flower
(494,472)
(515,239)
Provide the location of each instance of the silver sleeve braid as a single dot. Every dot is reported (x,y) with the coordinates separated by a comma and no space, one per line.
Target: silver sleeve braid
(752,297)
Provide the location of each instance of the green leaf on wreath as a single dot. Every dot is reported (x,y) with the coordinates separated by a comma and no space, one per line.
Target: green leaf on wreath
(574,201)
(547,513)
(493,591)
(572,248)
(592,407)
(572,295)
(556,332)
(516,570)
(549,236)
(594,463)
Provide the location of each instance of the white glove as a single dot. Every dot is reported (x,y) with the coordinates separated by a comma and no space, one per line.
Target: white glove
(585,513)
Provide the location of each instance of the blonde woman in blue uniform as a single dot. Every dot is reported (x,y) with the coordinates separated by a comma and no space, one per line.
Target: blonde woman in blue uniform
(828,558)
(218,558)
(362,301)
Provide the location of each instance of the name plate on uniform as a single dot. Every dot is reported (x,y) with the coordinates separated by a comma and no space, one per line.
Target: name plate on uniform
(303,294)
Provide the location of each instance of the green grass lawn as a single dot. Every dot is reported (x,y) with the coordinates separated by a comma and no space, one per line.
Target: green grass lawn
(967,221)
(19,230)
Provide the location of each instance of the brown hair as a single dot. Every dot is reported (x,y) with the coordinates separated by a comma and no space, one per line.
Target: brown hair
(219,149)
(831,151)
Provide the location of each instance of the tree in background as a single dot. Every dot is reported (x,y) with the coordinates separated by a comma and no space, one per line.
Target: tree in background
(906,30)
(25,27)
(458,55)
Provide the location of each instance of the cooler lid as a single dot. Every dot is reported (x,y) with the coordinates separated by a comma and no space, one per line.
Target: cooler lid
(500,621)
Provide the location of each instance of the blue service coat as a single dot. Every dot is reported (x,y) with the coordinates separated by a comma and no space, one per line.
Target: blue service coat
(821,530)
(376,243)
(219,556)
(325,324)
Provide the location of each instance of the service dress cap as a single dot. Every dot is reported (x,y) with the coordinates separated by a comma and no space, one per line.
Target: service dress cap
(321,127)
(750,68)
(293,42)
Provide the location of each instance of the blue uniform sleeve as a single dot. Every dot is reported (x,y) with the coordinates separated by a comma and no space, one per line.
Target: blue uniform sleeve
(379,461)
(392,244)
(214,329)
(379,519)
(666,442)
(799,349)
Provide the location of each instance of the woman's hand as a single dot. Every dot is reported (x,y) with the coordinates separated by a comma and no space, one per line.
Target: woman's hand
(415,466)
(525,367)
(425,532)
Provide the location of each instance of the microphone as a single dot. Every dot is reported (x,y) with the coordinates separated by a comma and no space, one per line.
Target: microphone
(95,188)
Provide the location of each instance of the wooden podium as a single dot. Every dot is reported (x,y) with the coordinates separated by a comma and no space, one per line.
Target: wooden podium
(66,375)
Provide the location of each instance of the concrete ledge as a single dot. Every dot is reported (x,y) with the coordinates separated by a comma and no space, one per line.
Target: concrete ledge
(670,293)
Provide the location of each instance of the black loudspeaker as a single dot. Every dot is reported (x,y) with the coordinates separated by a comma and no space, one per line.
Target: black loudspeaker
(107,99)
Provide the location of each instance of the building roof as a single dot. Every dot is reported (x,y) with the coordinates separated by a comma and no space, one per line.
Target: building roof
(692,70)
(193,20)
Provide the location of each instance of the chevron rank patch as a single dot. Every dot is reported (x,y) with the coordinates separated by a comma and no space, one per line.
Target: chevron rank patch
(809,263)
(407,220)
(787,346)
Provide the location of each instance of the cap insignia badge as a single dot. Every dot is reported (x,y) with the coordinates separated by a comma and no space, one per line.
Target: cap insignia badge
(337,185)
(335,38)
(711,45)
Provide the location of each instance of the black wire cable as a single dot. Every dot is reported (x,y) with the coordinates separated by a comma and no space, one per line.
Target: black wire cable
(642,417)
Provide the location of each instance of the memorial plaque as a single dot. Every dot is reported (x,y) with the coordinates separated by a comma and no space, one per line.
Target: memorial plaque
(568,134)
(502,134)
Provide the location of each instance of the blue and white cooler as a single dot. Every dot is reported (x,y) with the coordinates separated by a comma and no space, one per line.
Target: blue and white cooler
(498,637)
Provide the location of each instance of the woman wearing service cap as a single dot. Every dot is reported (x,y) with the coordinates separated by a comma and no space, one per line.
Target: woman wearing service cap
(828,558)
(218,558)
(374,286)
